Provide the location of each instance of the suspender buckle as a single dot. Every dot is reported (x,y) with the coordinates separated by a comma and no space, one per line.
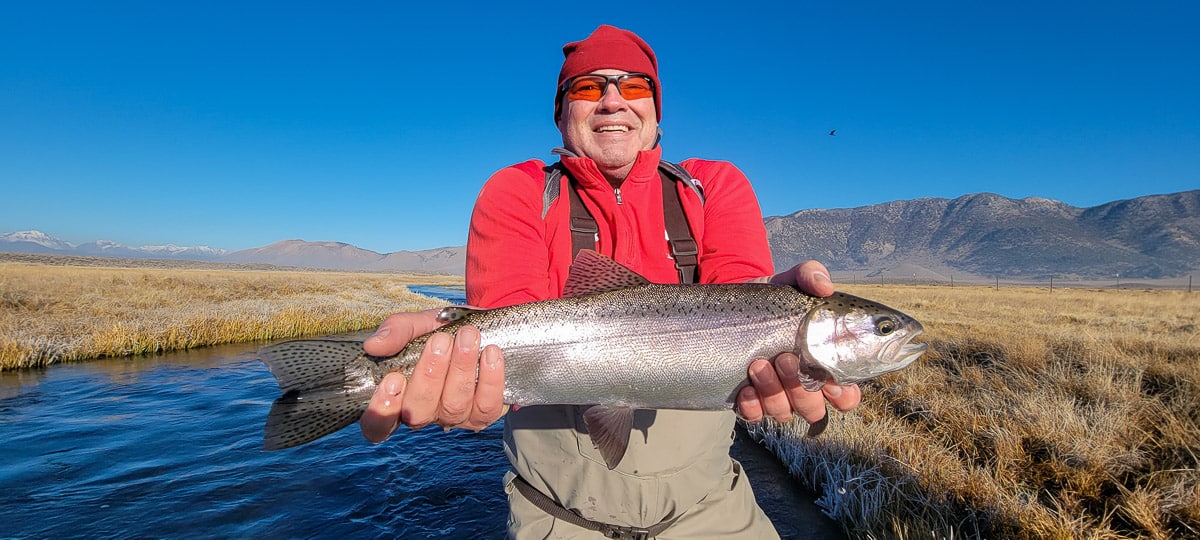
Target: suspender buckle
(625,533)
(585,225)
(684,247)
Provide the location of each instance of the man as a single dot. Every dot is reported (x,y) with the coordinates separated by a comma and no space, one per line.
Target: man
(676,479)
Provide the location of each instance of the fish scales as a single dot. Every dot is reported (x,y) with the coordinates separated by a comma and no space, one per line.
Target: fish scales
(617,343)
(626,345)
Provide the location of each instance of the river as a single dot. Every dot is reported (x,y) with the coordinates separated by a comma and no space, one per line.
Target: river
(169,446)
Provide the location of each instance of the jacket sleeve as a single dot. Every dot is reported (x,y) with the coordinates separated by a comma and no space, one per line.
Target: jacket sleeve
(735,247)
(507,258)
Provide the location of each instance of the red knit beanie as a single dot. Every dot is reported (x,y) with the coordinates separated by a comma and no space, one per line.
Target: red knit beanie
(608,47)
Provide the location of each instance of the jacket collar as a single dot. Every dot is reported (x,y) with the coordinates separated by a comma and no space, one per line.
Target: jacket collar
(585,171)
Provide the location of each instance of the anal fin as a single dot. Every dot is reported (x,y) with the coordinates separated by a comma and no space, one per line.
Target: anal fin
(609,429)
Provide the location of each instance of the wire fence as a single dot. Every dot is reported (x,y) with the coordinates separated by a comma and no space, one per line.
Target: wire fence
(1184,283)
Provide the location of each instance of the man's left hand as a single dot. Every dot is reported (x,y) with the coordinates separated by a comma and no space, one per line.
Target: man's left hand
(775,390)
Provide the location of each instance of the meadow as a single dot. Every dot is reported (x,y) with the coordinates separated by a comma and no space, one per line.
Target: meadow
(1064,414)
(55,309)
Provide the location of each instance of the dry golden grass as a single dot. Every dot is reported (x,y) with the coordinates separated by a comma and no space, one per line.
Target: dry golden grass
(54,313)
(1066,415)
(1072,414)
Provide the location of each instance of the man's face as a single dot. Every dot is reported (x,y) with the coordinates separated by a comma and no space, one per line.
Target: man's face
(610,131)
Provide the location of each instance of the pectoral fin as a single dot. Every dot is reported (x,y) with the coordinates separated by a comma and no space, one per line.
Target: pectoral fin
(609,429)
(450,314)
(818,427)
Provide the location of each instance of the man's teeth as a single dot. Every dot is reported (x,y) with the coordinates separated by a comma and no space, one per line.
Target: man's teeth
(613,128)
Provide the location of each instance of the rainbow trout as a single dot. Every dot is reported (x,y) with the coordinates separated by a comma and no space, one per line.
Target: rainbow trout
(614,341)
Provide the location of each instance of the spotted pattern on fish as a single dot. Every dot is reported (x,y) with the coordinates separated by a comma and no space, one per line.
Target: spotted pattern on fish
(618,343)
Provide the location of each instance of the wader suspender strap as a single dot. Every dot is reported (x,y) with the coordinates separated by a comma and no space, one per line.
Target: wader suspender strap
(548,505)
(684,249)
(584,230)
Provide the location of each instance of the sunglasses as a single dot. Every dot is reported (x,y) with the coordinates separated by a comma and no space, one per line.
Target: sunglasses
(592,87)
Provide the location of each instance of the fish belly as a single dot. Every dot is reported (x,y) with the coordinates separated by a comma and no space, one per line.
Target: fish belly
(672,362)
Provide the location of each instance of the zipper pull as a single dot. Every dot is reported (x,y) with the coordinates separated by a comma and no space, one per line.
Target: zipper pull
(618,192)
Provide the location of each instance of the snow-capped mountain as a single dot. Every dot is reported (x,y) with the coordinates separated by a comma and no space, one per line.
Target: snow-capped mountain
(34,241)
(39,242)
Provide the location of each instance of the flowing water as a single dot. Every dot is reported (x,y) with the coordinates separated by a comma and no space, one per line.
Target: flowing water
(168,446)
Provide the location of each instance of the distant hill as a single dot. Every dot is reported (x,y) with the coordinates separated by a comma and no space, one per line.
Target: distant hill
(988,235)
(980,235)
(340,256)
(297,253)
(39,242)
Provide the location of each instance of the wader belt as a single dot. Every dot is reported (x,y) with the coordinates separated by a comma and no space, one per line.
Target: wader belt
(548,505)
(684,249)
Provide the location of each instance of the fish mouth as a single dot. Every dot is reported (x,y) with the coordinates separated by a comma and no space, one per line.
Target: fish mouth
(909,352)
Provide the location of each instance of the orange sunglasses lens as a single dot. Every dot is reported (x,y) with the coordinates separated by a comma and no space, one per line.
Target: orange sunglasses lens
(592,87)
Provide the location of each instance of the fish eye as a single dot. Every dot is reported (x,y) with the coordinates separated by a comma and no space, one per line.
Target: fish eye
(885,326)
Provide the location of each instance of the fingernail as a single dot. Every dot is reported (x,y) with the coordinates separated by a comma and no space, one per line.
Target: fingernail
(393,385)
(789,364)
(439,343)
(381,333)
(491,358)
(467,340)
(833,390)
(756,373)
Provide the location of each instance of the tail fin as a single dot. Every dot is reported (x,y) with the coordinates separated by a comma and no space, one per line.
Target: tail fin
(326,386)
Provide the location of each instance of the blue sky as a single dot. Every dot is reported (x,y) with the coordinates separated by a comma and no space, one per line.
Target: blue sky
(238,124)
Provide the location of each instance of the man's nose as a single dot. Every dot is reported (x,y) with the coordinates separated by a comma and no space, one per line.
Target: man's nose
(611,98)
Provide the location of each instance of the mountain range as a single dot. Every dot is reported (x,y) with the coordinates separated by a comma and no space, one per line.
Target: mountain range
(1155,236)
(981,235)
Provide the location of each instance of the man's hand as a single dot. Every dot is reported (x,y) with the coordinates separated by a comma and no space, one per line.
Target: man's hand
(454,383)
(775,391)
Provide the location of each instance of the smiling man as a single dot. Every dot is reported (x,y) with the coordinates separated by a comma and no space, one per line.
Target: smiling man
(695,222)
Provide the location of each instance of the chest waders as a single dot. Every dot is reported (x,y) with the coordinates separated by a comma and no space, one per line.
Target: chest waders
(584,231)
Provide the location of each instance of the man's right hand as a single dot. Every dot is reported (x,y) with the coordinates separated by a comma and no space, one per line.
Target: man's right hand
(445,388)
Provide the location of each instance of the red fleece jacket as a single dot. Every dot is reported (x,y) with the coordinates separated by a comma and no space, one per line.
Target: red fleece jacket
(516,256)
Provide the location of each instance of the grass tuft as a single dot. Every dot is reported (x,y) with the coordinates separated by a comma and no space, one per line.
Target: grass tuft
(1071,415)
(52,313)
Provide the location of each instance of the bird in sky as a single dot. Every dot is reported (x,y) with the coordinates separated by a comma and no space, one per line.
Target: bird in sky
(832,132)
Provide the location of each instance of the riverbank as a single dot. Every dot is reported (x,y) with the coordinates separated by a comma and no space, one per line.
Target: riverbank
(55,309)
(1072,413)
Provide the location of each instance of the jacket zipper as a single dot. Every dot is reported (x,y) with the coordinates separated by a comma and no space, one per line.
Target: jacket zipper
(618,192)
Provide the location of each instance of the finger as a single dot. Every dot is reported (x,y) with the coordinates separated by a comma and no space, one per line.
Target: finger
(383,411)
(489,390)
(423,395)
(813,278)
(770,391)
(843,398)
(458,394)
(810,405)
(397,330)
(748,404)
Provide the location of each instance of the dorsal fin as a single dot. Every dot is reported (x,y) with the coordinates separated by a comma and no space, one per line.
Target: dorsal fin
(593,273)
